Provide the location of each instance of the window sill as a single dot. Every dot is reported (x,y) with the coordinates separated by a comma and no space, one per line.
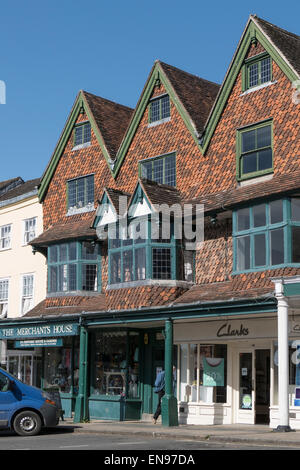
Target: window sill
(73,293)
(80,210)
(258,87)
(81,146)
(5,249)
(150,282)
(157,123)
(255,177)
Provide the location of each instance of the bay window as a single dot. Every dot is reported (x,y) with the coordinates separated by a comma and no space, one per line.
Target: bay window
(267,235)
(74,266)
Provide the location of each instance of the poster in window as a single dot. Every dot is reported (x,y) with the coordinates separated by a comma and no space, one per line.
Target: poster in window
(213,369)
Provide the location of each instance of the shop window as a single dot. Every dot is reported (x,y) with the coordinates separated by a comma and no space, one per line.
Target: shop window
(203,373)
(74,266)
(61,366)
(109,363)
(267,235)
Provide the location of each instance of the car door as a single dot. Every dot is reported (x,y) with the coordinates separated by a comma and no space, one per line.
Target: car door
(7,400)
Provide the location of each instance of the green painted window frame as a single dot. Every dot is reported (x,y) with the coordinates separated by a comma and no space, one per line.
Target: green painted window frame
(161,117)
(82,126)
(87,180)
(148,245)
(240,176)
(152,161)
(286,225)
(246,71)
(79,260)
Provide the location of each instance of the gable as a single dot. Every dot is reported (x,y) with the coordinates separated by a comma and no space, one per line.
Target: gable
(252,33)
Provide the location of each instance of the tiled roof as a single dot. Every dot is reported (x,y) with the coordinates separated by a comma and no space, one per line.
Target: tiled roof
(20,189)
(160,193)
(111,118)
(9,184)
(66,231)
(196,94)
(288,43)
(276,186)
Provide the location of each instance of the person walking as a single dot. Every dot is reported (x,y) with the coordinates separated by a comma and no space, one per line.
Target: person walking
(159,388)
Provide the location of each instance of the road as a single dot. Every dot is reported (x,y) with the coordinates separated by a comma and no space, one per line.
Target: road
(65,440)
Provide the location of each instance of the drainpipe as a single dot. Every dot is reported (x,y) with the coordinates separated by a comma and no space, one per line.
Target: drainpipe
(283,358)
(169,412)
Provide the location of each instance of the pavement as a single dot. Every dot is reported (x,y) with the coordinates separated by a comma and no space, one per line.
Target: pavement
(232,433)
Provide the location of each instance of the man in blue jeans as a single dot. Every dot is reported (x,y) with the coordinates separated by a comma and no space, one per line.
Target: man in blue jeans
(159,388)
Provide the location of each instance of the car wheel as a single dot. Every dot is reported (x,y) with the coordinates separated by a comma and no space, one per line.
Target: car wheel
(27,423)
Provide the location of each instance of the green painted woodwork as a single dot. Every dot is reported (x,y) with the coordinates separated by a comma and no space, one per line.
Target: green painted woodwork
(81,406)
(169,402)
(291,289)
(239,171)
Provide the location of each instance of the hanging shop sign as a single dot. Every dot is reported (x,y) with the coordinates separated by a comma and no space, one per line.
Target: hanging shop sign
(49,330)
(39,343)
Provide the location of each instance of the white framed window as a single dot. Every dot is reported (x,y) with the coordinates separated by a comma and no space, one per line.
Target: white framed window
(29,230)
(4,286)
(5,237)
(27,293)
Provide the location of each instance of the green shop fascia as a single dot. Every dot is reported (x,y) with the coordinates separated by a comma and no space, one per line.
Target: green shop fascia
(97,367)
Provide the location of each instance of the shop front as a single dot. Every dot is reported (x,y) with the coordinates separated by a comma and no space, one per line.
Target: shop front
(45,355)
(228,370)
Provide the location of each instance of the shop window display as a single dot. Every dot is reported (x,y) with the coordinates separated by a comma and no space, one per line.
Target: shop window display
(113,374)
(61,367)
(203,373)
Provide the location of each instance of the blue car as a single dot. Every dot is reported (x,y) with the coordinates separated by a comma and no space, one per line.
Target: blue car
(25,409)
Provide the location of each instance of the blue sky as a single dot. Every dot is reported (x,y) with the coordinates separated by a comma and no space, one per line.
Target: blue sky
(52,49)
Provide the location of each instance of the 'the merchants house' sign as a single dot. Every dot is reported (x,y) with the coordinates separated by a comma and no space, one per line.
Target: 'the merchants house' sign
(35,331)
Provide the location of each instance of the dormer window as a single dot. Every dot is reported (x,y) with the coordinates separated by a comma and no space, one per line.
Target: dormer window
(159,109)
(82,135)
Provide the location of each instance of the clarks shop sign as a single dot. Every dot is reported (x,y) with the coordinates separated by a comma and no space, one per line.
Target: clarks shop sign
(229,331)
(50,330)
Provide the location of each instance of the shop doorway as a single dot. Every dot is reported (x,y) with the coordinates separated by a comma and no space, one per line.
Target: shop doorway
(253,386)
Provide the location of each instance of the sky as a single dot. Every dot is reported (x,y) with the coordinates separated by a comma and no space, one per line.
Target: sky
(51,49)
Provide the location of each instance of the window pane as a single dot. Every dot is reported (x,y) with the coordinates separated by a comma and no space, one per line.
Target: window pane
(248,141)
(80,193)
(165,107)
(265,70)
(161,263)
(78,135)
(146,170)
(158,172)
(259,215)
(249,163)
(53,254)
(127,266)
(115,268)
(72,193)
(295,208)
(53,279)
(89,189)
(296,244)
(243,253)
(86,133)
(265,159)
(170,170)
(89,251)
(72,251)
(140,264)
(63,252)
(263,136)
(72,277)
(253,74)
(243,219)
(89,277)
(260,249)
(154,111)
(277,246)
(63,278)
(276,212)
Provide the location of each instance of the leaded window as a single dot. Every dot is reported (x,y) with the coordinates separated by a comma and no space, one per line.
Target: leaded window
(81,192)
(82,134)
(159,108)
(161,169)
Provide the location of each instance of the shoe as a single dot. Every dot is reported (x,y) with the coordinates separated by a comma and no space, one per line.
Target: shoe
(154,420)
